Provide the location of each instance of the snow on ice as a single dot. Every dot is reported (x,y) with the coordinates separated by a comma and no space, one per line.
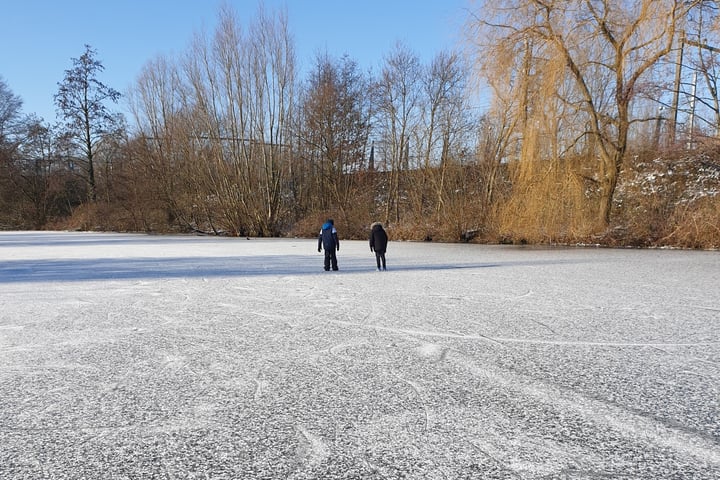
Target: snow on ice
(136,356)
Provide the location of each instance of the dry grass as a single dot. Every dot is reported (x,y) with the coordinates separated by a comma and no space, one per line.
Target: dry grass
(670,201)
(549,204)
(696,225)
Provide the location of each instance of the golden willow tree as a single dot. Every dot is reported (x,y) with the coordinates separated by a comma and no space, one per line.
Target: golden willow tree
(566,75)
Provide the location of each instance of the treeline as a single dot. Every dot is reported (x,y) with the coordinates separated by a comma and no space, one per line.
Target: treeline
(228,139)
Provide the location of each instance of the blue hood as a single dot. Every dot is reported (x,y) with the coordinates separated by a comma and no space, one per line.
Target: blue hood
(327,225)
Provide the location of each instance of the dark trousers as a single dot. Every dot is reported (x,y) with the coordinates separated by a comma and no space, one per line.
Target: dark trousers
(330,259)
(380,258)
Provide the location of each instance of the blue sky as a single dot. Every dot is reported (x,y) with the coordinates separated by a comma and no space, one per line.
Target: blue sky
(39,38)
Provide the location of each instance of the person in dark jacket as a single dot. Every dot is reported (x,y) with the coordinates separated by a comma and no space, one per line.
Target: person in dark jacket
(378,244)
(328,239)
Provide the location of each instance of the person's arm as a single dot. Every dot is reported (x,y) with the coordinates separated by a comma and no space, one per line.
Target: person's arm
(337,240)
(320,242)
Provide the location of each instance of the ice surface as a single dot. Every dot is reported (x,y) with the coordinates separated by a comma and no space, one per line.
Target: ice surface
(135,356)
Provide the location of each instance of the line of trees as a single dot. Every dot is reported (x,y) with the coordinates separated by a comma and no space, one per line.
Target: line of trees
(227,138)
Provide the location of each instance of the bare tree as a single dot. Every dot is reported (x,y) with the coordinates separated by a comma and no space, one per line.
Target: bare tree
(444,122)
(702,37)
(81,102)
(43,187)
(334,128)
(220,122)
(162,147)
(10,120)
(32,187)
(397,94)
(272,79)
(10,117)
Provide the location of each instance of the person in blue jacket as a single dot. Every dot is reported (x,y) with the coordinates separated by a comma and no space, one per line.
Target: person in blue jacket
(328,239)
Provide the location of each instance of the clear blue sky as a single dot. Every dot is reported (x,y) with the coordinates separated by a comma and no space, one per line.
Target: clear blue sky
(38,38)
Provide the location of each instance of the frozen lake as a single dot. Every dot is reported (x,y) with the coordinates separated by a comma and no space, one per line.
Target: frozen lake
(135,357)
